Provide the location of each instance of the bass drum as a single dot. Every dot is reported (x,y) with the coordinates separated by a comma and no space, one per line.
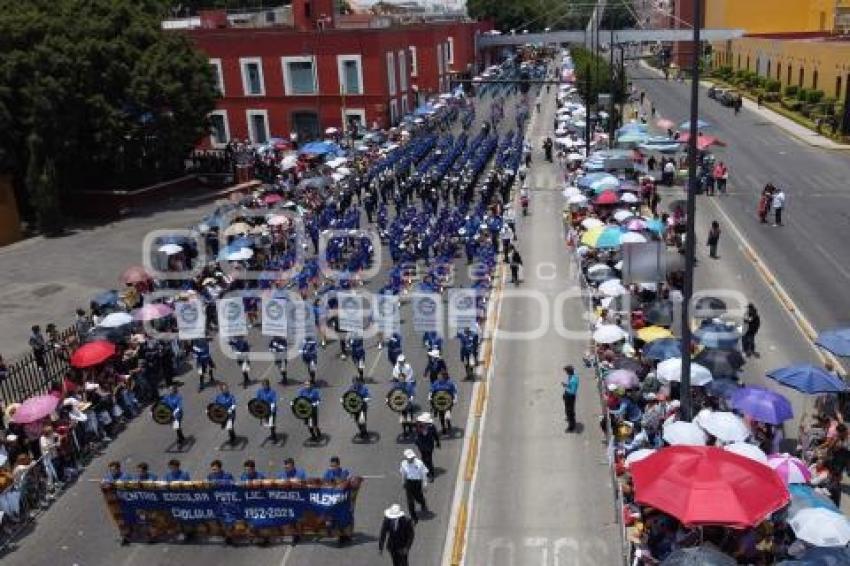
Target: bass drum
(162,413)
(353,402)
(398,400)
(302,408)
(442,401)
(259,408)
(217,413)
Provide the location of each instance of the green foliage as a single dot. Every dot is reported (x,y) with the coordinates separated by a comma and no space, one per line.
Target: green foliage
(802,95)
(791,91)
(828,105)
(814,96)
(105,96)
(773,86)
(792,104)
(590,82)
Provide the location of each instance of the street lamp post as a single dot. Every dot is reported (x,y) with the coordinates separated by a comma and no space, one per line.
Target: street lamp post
(688,291)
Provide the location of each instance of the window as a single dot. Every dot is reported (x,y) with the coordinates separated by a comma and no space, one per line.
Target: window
(402,71)
(217,75)
(837,88)
(393,112)
(779,72)
(258,126)
(815,80)
(252,76)
(440,58)
(352,117)
(414,64)
(405,109)
(802,77)
(391,72)
(450,51)
(350,74)
(788,82)
(219,128)
(299,75)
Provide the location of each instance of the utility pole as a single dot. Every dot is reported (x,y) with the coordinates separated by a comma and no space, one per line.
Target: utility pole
(688,291)
(611,123)
(587,84)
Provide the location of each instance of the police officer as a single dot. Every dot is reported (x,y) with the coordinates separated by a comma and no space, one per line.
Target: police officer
(358,352)
(426,439)
(218,475)
(203,361)
(469,342)
(444,383)
(226,398)
(310,356)
(175,401)
(269,395)
(436,365)
(279,347)
(243,349)
(360,418)
(414,474)
(250,473)
(310,392)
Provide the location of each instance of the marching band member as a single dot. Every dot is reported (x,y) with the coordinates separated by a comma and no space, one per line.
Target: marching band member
(174,472)
(143,473)
(358,352)
(290,472)
(310,392)
(115,474)
(250,472)
(444,383)
(402,367)
(335,472)
(243,349)
(218,475)
(175,401)
(469,343)
(269,395)
(279,347)
(203,361)
(226,398)
(310,356)
(403,375)
(360,418)
(436,365)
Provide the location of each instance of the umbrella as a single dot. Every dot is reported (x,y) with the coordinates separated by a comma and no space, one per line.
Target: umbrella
(605,184)
(762,405)
(805,497)
(723,387)
(683,433)
(92,354)
(721,363)
(105,299)
(623,378)
(663,349)
(115,320)
(808,379)
(725,426)
(836,341)
(117,335)
(171,249)
(635,224)
(236,229)
(789,468)
(607,197)
(278,220)
(289,162)
(240,254)
(602,237)
(717,335)
(272,198)
(659,313)
(686,125)
(599,272)
(671,370)
(153,311)
(35,408)
(608,334)
(821,556)
(591,222)
(818,526)
(653,333)
(655,225)
(638,455)
(630,198)
(632,238)
(665,124)
(331,131)
(631,364)
(577,199)
(623,215)
(135,274)
(698,556)
(747,450)
(709,307)
(705,485)
(612,288)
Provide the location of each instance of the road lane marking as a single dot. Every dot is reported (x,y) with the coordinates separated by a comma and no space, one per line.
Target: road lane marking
(286,554)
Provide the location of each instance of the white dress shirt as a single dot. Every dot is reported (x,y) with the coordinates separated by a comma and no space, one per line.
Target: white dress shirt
(415,470)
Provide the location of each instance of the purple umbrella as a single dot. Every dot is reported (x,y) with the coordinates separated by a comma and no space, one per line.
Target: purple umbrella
(153,311)
(762,405)
(35,409)
(623,378)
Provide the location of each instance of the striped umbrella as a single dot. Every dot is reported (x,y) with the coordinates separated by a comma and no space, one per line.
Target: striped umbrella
(789,468)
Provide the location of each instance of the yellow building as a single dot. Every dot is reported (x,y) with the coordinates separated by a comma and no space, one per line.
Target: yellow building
(797,42)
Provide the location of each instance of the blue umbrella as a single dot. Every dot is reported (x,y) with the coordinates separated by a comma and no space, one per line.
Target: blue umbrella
(663,349)
(717,335)
(242,242)
(701,125)
(105,299)
(836,341)
(805,497)
(808,379)
(821,556)
(763,405)
(655,225)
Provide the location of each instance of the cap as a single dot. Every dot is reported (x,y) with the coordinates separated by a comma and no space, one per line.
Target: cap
(400,358)
(434,353)
(425,418)
(409,454)
(393,511)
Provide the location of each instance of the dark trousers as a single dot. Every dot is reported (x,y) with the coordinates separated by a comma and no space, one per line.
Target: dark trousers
(399,557)
(514,273)
(778,215)
(570,410)
(748,343)
(413,492)
(428,460)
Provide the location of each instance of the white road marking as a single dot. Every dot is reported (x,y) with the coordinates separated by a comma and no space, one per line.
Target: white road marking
(286,555)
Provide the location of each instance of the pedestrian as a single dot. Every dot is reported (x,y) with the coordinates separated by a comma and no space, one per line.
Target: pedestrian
(759,99)
(739,102)
(778,203)
(39,347)
(397,534)
(721,174)
(765,202)
(713,239)
(426,439)
(415,477)
(506,234)
(516,262)
(752,323)
(570,384)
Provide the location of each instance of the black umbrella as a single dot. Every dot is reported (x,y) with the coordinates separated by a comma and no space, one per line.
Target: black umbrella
(116,335)
(631,364)
(721,363)
(659,313)
(698,556)
(709,307)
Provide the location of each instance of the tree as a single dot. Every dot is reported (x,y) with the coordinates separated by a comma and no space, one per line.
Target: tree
(590,82)
(94,94)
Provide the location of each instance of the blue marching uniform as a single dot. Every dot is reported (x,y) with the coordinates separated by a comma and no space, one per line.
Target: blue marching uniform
(175,402)
(310,355)
(220,477)
(278,346)
(229,402)
(242,350)
(394,347)
(203,361)
(312,422)
(269,395)
(358,353)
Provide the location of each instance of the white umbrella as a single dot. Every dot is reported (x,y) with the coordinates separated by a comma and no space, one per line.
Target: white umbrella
(572,157)
(337,162)
(116,319)
(623,214)
(629,197)
(240,255)
(638,455)
(632,238)
(171,249)
(747,450)
(343,171)
(577,199)
(820,527)
(597,267)
(608,334)
(288,162)
(591,222)
(571,190)
(671,370)
(612,288)
(726,426)
(278,220)
(331,131)
(561,132)
(683,433)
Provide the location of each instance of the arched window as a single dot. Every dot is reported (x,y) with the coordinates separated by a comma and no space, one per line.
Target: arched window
(802,76)
(815,80)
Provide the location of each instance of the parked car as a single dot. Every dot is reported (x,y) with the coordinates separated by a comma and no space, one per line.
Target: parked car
(730,97)
(716,92)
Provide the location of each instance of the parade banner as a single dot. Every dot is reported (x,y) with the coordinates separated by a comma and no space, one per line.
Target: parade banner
(301,322)
(350,312)
(427,312)
(462,308)
(274,316)
(191,319)
(159,511)
(387,314)
(231,317)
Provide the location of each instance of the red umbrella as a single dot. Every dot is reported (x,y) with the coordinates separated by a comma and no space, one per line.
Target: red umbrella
(703,141)
(705,485)
(93,353)
(35,408)
(135,274)
(607,197)
(272,198)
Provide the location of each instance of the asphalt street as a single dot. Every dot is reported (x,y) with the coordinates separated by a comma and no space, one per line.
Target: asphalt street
(809,254)
(76,530)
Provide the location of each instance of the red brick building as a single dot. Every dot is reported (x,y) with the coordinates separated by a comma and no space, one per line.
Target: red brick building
(302,68)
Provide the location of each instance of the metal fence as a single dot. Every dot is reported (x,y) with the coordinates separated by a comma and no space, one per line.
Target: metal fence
(31,374)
